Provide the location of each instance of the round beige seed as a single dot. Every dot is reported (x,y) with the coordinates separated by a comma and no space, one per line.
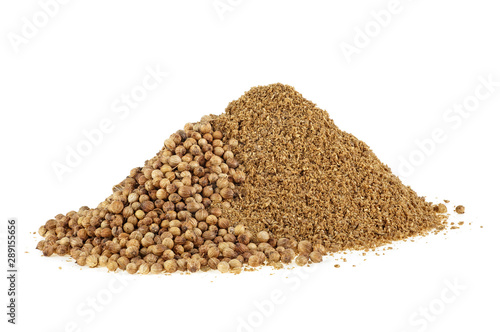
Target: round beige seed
(301,260)
(316,257)
(223,267)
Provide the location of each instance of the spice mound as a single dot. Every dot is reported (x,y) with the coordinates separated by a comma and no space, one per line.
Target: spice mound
(307,179)
(269,182)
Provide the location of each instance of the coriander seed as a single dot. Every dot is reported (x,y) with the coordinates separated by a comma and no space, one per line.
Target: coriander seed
(301,260)
(316,257)
(156,268)
(131,268)
(263,236)
(223,267)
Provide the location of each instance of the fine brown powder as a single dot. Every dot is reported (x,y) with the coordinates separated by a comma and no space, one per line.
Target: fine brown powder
(307,179)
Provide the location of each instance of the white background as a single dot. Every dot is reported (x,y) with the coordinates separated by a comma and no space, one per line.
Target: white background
(66,77)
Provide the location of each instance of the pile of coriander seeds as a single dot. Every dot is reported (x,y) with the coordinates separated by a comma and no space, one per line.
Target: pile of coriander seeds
(168,216)
(271,181)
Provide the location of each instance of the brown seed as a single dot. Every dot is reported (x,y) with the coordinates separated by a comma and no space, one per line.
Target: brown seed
(222,183)
(205,128)
(274,256)
(140,214)
(223,223)
(193,207)
(216,160)
(170,266)
(227,193)
(186,191)
(263,236)
(144,269)
(62,250)
(133,197)
(156,268)
(213,263)
(235,264)
(229,253)
(301,260)
(213,252)
(131,268)
(105,232)
(223,267)
(161,194)
(239,229)
(201,215)
(239,177)
(42,230)
(217,135)
(81,260)
(211,220)
(254,261)
(316,257)
(261,256)
(48,250)
(115,207)
(460,209)
(304,247)
(122,262)
(232,163)
(40,245)
(244,238)
(287,256)
(75,242)
(195,150)
(193,265)
(320,248)
(112,266)
(174,160)
(169,144)
(92,261)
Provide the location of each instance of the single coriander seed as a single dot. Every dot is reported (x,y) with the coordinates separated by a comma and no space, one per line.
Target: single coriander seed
(223,267)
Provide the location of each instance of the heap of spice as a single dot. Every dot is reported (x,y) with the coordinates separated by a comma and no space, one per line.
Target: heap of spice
(270,181)
(309,180)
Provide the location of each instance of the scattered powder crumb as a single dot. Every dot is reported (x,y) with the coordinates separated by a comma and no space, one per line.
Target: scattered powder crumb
(440,208)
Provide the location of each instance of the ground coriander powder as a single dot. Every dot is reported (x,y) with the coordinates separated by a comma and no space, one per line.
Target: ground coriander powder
(307,179)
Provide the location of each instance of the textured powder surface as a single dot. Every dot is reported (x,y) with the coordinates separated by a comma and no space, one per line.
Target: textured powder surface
(307,179)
